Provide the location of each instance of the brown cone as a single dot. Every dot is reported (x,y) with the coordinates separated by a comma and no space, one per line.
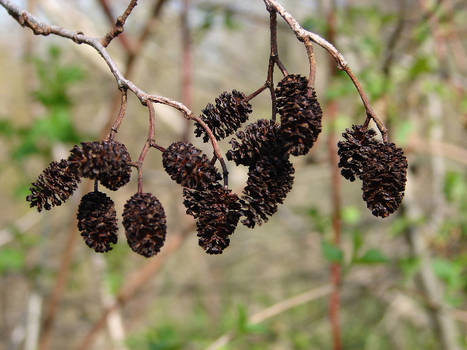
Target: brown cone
(97,221)
(300,113)
(269,182)
(54,186)
(217,212)
(106,161)
(356,151)
(145,224)
(188,166)
(259,140)
(384,179)
(229,113)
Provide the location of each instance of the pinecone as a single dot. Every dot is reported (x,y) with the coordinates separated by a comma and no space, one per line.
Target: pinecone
(188,166)
(384,178)
(229,113)
(145,224)
(54,186)
(269,182)
(300,113)
(217,212)
(106,161)
(356,151)
(259,139)
(97,221)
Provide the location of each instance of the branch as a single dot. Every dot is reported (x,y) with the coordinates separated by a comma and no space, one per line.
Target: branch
(26,19)
(305,35)
(119,24)
(150,141)
(122,37)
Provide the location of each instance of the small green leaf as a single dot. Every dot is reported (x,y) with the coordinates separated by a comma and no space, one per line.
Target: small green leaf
(455,186)
(372,256)
(11,259)
(403,132)
(357,239)
(448,271)
(351,215)
(331,252)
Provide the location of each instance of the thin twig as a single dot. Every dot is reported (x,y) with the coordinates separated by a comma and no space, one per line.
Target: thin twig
(215,146)
(121,115)
(303,35)
(150,141)
(119,24)
(272,60)
(312,62)
(124,40)
(187,64)
(132,55)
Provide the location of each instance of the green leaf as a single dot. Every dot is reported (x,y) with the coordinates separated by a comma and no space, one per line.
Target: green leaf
(229,19)
(11,260)
(351,215)
(321,222)
(6,128)
(331,252)
(409,266)
(455,186)
(422,64)
(403,132)
(357,240)
(372,256)
(449,271)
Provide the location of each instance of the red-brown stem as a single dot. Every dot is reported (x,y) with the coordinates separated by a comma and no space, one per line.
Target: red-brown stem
(370,113)
(272,56)
(124,40)
(187,65)
(119,24)
(215,146)
(312,62)
(132,56)
(332,110)
(121,114)
(150,141)
(158,147)
(257,92)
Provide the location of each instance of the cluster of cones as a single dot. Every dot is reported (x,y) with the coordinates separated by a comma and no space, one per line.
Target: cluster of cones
(108,163)
(264,146)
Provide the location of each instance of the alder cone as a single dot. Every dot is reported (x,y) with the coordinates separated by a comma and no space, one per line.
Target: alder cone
(269,182)
(145,224)
(229,113)
(54,186)
(97,221)
(217,212)
(260,139)
(189,166)
(106,161)
(384,179)
(356,151)
(300,114)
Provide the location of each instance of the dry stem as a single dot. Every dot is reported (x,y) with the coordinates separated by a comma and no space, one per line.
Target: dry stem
(304,35)
(149,142)
(119,24)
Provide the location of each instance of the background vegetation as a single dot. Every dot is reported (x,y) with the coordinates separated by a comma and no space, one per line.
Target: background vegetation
(404,279)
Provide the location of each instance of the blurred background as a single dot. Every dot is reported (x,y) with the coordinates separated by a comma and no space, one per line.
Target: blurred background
(323,273)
